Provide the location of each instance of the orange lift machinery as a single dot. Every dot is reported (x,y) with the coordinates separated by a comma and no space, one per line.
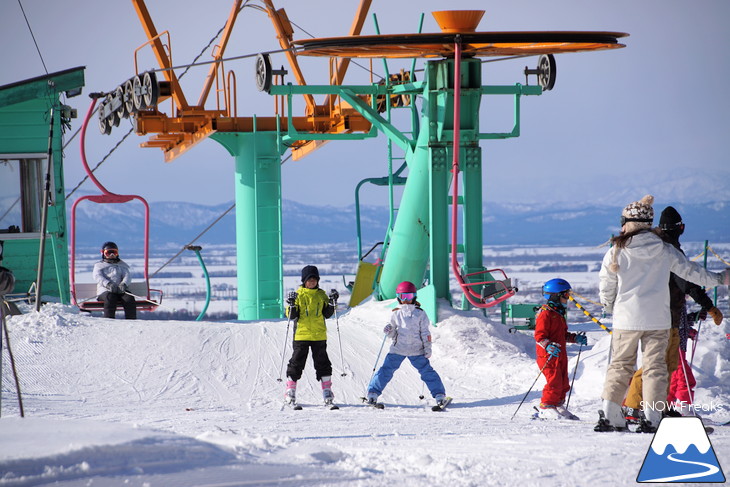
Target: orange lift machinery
(418,246)
(255,142)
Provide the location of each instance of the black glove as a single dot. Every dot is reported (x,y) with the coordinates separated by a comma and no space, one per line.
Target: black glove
(291,298)
(113,288)
(123,288)
(334,295)
(695,316)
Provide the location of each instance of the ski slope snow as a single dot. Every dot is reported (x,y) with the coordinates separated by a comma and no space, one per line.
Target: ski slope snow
(164,403)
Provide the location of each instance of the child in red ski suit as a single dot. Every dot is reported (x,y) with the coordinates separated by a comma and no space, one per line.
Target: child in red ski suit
(551,335)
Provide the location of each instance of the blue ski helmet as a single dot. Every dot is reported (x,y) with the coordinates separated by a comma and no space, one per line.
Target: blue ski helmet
(554,286)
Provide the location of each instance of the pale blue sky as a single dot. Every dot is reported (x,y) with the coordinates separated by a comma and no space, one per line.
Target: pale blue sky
(652,117)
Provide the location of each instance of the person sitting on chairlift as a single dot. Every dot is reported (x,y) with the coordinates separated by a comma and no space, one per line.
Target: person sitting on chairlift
(112,276)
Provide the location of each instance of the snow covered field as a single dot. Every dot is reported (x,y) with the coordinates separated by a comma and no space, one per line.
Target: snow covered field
(170,403)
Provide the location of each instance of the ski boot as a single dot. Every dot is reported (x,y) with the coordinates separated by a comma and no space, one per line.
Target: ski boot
(547,411)
(441,402)
(372,401)
(327,393)
(290,396)
(633,415)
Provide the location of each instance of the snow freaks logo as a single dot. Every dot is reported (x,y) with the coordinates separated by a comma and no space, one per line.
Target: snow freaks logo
(681,452)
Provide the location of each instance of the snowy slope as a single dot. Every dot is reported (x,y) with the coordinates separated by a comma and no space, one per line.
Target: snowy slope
(198,404)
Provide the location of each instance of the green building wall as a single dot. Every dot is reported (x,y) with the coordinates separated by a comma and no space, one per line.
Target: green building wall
(25,109)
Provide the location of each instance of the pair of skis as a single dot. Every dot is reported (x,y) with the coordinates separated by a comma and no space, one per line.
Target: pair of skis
(298,407)
(438,407)
(604,426)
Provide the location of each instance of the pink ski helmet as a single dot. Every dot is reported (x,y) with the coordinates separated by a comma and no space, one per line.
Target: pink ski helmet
(405,287)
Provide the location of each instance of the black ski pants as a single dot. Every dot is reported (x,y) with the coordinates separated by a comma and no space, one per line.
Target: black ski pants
(111,300)
(322,364)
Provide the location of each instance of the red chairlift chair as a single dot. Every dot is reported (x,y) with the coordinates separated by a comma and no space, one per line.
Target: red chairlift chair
(84,295)
(493,291)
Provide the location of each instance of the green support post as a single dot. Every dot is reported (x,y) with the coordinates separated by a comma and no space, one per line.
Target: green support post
(417,246)
(258,222)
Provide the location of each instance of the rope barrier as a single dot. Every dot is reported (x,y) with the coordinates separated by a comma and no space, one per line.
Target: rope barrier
(716,255)
(572,291)
(585,312)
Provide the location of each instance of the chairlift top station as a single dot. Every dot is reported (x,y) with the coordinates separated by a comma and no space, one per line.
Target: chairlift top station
(425,236)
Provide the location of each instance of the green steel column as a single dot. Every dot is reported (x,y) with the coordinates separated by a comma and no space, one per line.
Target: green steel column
(408,250)
(258,223)
(421,235)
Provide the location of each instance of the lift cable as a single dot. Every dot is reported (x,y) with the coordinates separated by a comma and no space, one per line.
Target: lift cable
(100,162)
(33,36)
(131,129)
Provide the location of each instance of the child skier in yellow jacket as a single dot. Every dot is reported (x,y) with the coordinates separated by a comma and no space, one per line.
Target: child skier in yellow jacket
(308,308)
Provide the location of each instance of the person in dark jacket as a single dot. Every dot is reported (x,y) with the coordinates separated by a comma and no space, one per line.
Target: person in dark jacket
(112,278)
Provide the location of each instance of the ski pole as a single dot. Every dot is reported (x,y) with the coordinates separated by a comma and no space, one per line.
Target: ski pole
(572,381)
(694,343)
(530,389)
(10,355)
(585,312)
(690,392)
(375,366)
(339,338)
(283,352)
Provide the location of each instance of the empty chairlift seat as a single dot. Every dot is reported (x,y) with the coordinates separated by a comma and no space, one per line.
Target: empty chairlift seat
(494,288)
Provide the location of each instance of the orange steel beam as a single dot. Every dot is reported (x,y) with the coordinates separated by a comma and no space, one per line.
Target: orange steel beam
(284,33)
(219,55)
(160,54)
(355,30)
(168,127)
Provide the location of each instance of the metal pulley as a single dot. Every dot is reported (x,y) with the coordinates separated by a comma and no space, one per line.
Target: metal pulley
(546,72)
(137,93)
(265,74)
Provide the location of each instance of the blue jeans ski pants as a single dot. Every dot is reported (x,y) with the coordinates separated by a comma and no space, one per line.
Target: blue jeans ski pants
(392,362)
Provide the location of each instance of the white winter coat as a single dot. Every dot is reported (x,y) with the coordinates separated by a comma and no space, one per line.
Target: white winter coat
(638,294)
(410,332)
(106,273)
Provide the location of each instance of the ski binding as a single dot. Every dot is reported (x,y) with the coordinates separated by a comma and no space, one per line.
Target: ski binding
(376,405)
(442,405)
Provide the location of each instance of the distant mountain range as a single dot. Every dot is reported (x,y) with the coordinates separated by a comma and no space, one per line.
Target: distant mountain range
(177,223)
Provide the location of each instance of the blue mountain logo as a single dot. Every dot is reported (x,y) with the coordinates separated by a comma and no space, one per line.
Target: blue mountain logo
(681,452)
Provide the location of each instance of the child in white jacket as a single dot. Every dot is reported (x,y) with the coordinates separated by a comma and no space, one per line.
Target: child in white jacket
(634,287)
(409,330)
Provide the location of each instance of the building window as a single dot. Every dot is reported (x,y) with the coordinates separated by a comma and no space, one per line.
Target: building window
(21,192)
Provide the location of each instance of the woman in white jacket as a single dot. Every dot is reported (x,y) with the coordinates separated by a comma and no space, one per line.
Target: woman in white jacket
(634,287)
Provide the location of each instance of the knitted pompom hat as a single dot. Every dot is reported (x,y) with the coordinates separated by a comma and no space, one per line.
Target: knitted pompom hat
(638,215)
(639,212)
